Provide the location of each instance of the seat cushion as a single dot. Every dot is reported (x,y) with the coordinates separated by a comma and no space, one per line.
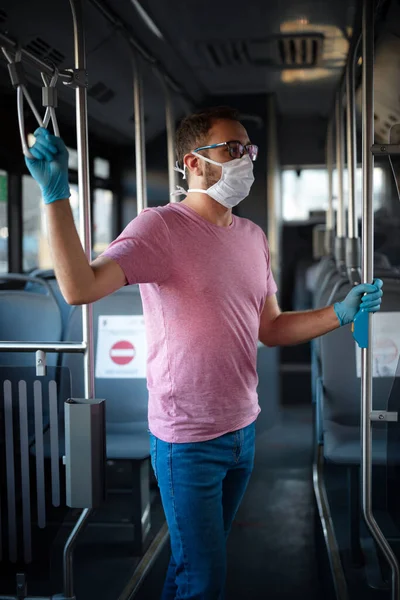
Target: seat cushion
(124,446)
(133,443)
(342,444)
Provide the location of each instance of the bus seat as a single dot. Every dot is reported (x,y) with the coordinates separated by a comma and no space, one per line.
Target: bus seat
(302,295)
(339,404)
(127,399)
(336,292)
(49,276)
(340,289)
(382,268)
(325,266)
(381,261)
(127,437)
(28,317)
(32,486)
(341,395)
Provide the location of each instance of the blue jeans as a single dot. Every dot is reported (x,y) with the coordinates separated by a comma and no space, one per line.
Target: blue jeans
(201,485)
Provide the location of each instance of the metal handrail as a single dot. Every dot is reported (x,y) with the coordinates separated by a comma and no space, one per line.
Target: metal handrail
(140,137)
(341,211)
(138,48)
(352,241)
(19,83)
(351,142)
(83,187)
(85,235)
(330,225)
(72,347)
(367,276)
(328,530)
(170,127)
(34,61)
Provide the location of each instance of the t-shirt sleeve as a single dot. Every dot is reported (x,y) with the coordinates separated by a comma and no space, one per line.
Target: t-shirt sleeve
(272,288)
(143,250)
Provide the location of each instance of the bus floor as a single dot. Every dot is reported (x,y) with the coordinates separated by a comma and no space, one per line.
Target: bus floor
(271,549)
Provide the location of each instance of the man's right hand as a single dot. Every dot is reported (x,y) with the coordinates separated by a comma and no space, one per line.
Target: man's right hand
(49,167)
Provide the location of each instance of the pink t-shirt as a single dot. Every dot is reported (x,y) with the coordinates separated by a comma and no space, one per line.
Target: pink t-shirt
(203,288)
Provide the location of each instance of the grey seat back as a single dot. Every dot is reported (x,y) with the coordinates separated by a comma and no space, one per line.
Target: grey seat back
(340,381)
(28,317)
(127,399)
(326,266)
(335,281)
(49,276)
(333,277)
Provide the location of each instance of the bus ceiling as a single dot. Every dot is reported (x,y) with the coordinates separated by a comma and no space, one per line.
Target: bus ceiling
(220,53)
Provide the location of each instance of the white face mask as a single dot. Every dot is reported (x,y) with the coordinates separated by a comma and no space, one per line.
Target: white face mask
(235,182)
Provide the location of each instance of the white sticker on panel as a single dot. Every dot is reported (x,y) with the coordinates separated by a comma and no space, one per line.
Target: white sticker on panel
(386,345)
(121,347)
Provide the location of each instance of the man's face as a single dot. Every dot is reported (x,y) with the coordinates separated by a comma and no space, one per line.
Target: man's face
(222,130)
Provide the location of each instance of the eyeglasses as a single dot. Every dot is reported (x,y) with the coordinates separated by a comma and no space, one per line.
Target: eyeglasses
(236,149)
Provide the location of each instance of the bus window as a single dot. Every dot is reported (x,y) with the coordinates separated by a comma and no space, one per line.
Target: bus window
(72,159)
(102,220)
(306,190)
(3,223)
(34,243)
(74,203)
(101,168)
(36,251)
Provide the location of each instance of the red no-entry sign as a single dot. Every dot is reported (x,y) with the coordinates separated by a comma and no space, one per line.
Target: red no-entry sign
(122,353)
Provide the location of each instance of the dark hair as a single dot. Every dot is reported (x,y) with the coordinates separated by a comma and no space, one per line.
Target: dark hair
(193,130)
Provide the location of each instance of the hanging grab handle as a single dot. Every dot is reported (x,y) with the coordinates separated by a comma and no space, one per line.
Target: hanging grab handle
(49,98)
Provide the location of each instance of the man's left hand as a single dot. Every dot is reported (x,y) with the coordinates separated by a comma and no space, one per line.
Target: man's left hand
(366,297)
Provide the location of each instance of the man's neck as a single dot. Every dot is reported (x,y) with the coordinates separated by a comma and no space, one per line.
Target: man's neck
(209,209)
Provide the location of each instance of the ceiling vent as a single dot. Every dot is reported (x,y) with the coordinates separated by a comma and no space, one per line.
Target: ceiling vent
(280,52)
(300,51)
(43,50)
(100,92)
(226,53)
(3,16)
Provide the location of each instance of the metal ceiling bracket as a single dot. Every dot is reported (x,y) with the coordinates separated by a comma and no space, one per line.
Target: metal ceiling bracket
(383,416)
(79,78)
(385,149)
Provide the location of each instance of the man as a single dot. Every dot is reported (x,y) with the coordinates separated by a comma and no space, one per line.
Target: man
(208,296)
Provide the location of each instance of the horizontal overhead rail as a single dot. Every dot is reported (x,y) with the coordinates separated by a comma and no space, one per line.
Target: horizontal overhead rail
(145,54)
(43,66)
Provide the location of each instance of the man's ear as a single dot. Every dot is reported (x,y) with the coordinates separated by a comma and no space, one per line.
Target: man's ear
(193,164)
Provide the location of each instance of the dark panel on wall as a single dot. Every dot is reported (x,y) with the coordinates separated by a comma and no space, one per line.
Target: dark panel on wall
(302,140)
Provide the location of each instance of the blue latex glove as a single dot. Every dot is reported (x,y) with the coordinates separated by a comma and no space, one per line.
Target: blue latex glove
(356,300)
(49,167)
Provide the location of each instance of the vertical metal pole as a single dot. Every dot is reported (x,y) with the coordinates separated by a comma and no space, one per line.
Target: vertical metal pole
(352,241)
(170,123)
(329,213)
(84,187)
(367,275)
(85,234)
(351,146)
(273,188)
(341,213)
(140,140)
(68,554)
